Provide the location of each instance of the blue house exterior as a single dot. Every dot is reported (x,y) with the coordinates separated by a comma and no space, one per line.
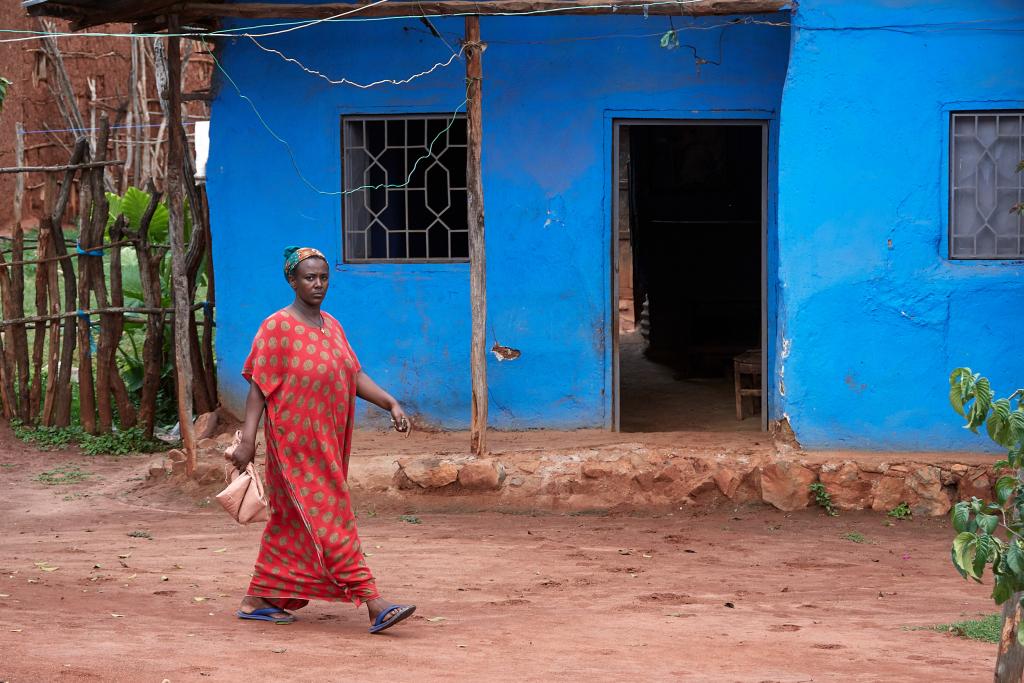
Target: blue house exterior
(864,312)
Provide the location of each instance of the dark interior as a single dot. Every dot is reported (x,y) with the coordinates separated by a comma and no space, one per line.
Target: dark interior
(695,204)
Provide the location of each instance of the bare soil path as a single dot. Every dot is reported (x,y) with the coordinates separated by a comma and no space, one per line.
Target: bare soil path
(749,594)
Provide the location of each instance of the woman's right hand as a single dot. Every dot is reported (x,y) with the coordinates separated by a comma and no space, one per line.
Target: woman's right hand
(243,454)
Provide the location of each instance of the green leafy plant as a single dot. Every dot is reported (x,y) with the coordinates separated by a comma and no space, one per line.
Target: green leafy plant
(120,443)
(986,629)
(117,443)
(989,533)
(140,533)
(410,519)
(824,499)
(4,86)
(901,511)
(62,475)
(855,537)
(46,438)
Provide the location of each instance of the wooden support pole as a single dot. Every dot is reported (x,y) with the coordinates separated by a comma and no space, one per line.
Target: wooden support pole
(477,252)
(176,210)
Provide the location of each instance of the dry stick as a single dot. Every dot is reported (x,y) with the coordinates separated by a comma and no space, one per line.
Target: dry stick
(19,335)
(152,349)
(49,259)
(125,409)
(62,412)
(58,169)
(35,320)
(96,281)
(53,293)
(86,388)
(211,301)
(42,290)
(475,209)
(176,228)
(204,397)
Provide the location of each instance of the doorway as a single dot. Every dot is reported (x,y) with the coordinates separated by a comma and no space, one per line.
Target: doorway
(689,282)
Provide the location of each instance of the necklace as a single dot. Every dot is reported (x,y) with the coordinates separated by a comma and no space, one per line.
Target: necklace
(322,324)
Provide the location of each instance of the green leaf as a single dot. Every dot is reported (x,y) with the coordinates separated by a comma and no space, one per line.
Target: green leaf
(1015,558)
(957,389)
(956,562)
(1005,488)
(982,552)
(982,404)
(988,523)
(962,544)
(4,84)
(961,514)
(1002,590)
(158,232)
(133,206)
(998,423)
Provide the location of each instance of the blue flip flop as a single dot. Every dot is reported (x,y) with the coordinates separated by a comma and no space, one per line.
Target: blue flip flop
(265,614)
(403,613)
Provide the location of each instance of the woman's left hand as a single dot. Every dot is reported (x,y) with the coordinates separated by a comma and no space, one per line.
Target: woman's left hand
(399,419)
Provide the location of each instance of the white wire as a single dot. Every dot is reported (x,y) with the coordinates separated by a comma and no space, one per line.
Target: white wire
(345,81)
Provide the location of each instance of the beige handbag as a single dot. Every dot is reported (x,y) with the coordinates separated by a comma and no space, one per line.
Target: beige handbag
(244,498)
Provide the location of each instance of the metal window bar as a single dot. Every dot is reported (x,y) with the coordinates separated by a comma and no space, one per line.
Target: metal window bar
(392,160)
(985,148)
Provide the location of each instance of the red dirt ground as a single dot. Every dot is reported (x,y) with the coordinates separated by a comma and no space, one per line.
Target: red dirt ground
(501,597)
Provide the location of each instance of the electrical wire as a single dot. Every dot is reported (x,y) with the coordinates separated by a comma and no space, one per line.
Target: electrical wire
(345,81)
(295,164)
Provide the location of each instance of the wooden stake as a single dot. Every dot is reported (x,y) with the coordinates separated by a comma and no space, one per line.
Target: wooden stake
(62,411)
(477,251)
(19,336)
(179,279)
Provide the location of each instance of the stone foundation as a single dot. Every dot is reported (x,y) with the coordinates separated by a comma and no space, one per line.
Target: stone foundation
(637,476)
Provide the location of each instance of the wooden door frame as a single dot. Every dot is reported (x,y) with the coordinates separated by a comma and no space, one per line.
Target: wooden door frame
(617,123)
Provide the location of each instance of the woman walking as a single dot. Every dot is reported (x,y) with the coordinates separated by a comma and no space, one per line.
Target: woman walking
(304,374)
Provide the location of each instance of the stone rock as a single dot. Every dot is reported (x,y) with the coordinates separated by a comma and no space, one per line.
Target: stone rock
(976,482)
(156,471)
(431,473)
(517,481)
(926,483)
(889,492)
(208,444)
(959,469)
(177,467)
(645,480)
(948,478)
(176,455)
(669,474)
(598,469)
(208,473)
(874,467)
(702,486)
(529,466)
(850,488)
(226,438)
(785,484)
(482,475)
(205,426)
(728,481)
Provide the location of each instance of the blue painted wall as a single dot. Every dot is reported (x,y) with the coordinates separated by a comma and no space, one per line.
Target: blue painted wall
(551,93)
(872,314)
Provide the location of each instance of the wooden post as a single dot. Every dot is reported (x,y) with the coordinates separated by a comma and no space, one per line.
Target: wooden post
(477,252)
(1010,657)
(19,335)
(176,211)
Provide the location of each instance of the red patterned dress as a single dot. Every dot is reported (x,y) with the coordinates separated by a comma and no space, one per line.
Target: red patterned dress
(310,548)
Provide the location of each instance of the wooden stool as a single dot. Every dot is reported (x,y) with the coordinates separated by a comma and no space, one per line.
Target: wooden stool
(747,376)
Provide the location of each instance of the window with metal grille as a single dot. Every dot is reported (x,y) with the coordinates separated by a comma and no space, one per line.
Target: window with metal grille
(984,184)
(405,183)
